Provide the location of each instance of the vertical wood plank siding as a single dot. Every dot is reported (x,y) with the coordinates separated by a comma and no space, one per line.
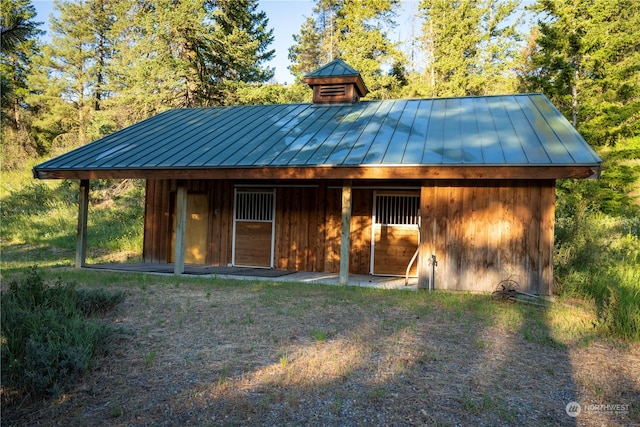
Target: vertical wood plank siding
(360,256)
(480,231)
(490,231)
(333,222)
(296,229)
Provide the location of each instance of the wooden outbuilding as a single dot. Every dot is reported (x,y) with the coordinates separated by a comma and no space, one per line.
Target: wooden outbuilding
(459,192)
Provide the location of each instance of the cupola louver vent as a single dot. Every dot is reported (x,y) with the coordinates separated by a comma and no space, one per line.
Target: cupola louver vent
(336,83)
(333,90)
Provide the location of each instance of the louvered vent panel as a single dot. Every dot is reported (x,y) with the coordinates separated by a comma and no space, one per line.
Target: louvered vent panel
(333,90)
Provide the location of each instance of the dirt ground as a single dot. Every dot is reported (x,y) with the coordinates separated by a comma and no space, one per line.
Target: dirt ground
(254,354)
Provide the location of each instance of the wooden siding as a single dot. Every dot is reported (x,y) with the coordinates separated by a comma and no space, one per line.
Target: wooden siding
(489,232)
(307,225)
(333,221)
(298,235)
(481,231)
(159,207)
(360,257)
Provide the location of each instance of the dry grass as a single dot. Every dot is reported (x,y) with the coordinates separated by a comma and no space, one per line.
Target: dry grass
(250,353)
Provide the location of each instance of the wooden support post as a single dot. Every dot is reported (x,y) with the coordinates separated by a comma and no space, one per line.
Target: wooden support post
(424,244)
(345,233)
(181,225)
(83,212)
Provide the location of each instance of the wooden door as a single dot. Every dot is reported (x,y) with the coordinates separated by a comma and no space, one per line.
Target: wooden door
(196,232)
(395,233)
(253,228)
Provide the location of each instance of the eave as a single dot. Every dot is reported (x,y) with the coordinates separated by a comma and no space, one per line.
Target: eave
(334,172)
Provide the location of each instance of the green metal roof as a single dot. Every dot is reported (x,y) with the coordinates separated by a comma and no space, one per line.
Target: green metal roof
(511,130)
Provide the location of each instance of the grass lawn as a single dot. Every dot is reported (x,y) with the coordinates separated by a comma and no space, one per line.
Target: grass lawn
(203,351)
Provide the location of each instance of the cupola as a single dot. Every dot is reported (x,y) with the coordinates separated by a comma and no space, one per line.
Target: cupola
(336,83)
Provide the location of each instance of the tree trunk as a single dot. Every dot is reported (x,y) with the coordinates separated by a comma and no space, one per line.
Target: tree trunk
(17,117)
(574,94)
(82,133)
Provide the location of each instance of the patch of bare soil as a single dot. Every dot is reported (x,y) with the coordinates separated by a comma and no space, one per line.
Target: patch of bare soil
(261,356)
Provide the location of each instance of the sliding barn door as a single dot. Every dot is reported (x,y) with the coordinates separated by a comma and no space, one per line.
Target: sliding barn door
(253,228)
(395,233)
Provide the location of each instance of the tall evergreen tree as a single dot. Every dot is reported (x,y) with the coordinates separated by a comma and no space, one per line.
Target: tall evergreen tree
(69,83)
(102,20)
(159,61)
(499,47)
(326,12)
(184,53)
(557,61)
(469,46)
(239,49)
(306,54)
(19,45)
(585,55)
(356,32)
(611,107)
(363,43)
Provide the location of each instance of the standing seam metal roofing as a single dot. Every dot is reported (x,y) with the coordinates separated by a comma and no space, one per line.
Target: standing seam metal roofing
(523,130)
(335,68)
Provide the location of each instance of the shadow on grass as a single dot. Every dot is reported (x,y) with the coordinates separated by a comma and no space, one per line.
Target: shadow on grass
(256,353)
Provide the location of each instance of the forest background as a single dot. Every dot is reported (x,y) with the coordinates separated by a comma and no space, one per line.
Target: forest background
(106,64)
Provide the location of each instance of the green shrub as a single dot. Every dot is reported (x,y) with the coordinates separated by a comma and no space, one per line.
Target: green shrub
(47,341)
(43,216)
(620,312)
(597,240)
(96,301)
(598,258)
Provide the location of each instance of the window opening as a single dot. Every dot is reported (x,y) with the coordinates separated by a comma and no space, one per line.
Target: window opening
(397,209)
(254,206)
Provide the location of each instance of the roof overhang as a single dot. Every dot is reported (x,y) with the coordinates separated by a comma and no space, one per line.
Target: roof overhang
(334,172)
(495,137)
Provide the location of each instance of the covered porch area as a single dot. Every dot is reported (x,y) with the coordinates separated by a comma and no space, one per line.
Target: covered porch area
(262,274)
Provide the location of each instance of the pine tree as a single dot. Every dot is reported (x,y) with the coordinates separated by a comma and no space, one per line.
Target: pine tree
(19,46)
(558,58)
(355,31)
(610,98)
(584,55)
(363,44)
(240,47)
(306,54)
(69,83)
(499,47)
(159,62)
(327,12)
(186,53)
(102,20)
(469,46)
